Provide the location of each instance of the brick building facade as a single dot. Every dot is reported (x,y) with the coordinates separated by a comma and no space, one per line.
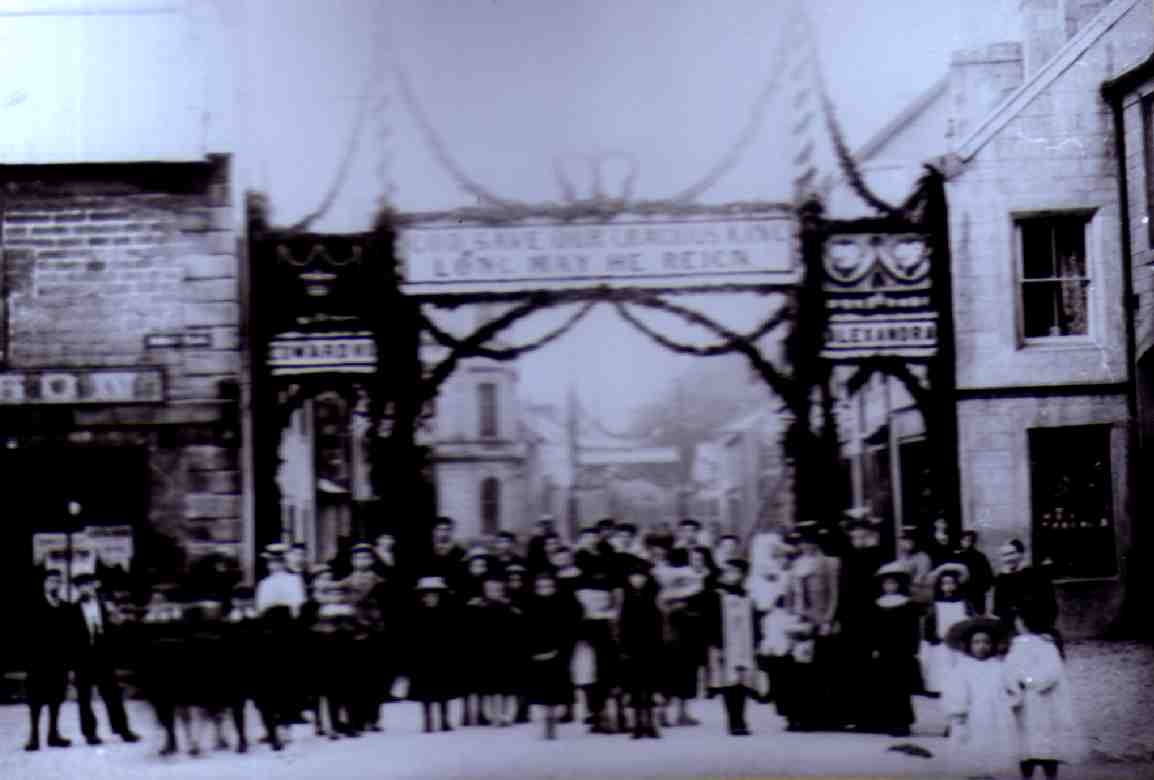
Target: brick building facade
(122,362)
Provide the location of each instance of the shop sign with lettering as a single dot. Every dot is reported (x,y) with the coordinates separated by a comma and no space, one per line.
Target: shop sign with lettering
(690,253)
(82,386)
(878,297)
(315,353)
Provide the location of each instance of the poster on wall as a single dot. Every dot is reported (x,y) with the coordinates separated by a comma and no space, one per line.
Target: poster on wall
(104,546)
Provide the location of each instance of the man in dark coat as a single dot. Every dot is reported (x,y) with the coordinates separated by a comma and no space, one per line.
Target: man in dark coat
(446,557)
(47,680)
(980,572)
(1020,588)
(859,568)
(536,554)
(367,594)
(95,650)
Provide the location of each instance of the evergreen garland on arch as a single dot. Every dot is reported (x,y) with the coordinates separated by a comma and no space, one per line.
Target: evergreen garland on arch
(446,339)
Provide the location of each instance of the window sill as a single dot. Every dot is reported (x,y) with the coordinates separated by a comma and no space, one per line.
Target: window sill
(1087,580)
(1058,343)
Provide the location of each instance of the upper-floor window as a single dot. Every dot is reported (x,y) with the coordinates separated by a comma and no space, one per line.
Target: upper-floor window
(1148,147)
(487,409)
(1055,275)
(490,506)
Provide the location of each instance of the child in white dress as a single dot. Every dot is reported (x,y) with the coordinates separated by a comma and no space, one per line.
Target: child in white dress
(949,608)
(1046,727)
(979,702)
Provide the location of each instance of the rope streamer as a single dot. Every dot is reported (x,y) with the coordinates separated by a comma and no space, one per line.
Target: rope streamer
(446,339)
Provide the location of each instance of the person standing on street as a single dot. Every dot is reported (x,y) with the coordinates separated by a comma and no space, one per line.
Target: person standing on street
(366,593)
(47,680)
(814,599)
(1020,589)
(281,588)
(95,663)
(981,573)
(551,620)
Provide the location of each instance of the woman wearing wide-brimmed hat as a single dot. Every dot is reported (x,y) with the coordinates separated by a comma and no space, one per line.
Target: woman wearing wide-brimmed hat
(433,635)
(894,675)
(979,701)
(949,607)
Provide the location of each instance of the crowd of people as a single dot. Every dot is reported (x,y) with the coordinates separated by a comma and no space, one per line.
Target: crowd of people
(622,630)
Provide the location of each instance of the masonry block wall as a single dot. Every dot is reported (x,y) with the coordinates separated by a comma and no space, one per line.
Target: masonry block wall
(1051,151)
(1141,243)
(133,267)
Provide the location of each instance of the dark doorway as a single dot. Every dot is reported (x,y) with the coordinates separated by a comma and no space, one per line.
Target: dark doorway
(109,484)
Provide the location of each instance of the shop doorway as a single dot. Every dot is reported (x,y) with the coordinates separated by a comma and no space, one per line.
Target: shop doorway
(108,487)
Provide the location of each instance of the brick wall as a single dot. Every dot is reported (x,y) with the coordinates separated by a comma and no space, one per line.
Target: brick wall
(101,261)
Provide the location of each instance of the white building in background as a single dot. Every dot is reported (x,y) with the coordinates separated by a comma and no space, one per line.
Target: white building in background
(475,433)
(739,476)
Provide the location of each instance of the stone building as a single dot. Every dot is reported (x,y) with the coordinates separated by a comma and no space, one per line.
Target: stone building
(120,345)
(1043,309)
(478,452)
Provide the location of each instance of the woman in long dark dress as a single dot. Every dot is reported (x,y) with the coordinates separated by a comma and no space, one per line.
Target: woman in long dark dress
(432,639)
(895,674)
(681,589)
(497,632)
(641,636)
(551,622)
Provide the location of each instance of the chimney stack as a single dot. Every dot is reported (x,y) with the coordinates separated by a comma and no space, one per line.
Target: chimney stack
(1044,30)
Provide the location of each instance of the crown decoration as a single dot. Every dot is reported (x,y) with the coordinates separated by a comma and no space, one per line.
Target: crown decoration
(318,255)
(582,177)
(873,262)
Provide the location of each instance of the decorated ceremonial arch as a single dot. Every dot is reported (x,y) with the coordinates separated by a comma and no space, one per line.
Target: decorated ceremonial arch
(345,316)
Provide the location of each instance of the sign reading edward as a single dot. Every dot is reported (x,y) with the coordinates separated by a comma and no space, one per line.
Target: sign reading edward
(878,296)
(320,291)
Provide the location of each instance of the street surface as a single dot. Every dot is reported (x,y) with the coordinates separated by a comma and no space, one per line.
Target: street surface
(517,752)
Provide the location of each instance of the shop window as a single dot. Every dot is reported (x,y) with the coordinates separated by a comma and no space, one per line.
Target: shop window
(487,409)
(1055,277)
(1148,147)
(1073,503)
(490,506)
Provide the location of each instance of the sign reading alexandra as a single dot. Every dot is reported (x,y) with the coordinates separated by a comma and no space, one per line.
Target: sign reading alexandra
(90,386)
(878,297)
(753,250)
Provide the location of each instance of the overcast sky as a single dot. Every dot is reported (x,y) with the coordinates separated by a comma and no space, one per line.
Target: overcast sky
(508,84)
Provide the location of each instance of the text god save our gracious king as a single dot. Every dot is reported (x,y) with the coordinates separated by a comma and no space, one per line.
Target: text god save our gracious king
(527,257)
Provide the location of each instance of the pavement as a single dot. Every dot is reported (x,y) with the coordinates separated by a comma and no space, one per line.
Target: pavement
(402,751)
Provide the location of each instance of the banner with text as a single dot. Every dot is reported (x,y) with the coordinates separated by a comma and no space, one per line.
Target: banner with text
(691,253)
(878,297)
